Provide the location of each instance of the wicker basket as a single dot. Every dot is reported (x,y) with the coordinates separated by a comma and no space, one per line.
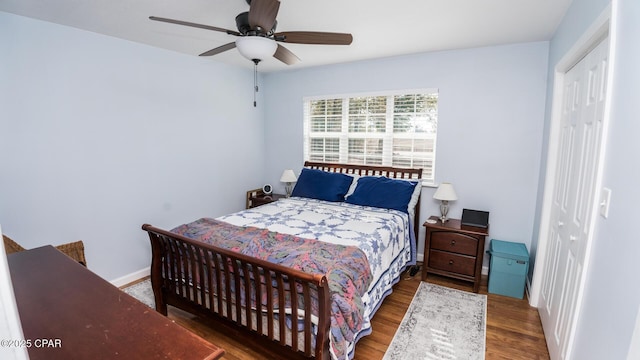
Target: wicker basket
(11,246)
(74,250)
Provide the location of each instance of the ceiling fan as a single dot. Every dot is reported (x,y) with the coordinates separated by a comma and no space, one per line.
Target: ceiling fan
(257,36)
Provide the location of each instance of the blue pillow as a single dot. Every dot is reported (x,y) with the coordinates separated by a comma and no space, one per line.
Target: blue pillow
(322,185)
(383,192)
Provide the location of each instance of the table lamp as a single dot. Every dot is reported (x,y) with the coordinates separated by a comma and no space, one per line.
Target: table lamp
(288,177)
(445,193)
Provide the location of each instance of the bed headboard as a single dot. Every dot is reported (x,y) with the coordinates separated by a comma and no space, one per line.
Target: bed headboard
(367,170)
(370,170)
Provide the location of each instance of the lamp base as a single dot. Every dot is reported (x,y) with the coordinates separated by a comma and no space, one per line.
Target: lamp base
(444,210)
(287,188)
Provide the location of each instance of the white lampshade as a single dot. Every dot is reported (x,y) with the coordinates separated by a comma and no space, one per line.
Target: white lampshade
(256,47)
(445,192)
(288,177)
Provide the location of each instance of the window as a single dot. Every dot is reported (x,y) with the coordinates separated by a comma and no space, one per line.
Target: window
(397,129)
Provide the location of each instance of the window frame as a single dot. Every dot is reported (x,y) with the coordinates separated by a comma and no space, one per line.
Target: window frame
(344,136)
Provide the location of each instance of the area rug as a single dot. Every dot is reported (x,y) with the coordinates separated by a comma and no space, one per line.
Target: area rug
(143,292)
(441,323)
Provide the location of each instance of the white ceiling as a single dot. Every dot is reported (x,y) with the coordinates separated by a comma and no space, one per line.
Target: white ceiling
(380,28)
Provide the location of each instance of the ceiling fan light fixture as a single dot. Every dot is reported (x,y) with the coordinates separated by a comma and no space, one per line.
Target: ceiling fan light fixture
(256,47)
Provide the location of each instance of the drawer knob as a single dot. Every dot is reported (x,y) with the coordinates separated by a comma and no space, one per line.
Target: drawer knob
(450,262)
(453,243)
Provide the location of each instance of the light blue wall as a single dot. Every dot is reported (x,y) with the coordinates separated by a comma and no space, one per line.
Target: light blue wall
(612,297)
(491,112)
(100,135)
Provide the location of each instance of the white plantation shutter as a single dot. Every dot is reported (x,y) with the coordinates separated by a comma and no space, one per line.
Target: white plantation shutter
(394,129)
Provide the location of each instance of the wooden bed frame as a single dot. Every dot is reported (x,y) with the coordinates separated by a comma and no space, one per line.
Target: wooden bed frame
(199,278)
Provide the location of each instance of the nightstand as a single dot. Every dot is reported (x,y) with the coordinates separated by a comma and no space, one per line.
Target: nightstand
(257,197)
(454,250)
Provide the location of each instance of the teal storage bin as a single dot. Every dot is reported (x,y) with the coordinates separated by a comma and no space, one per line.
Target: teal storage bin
(508,268)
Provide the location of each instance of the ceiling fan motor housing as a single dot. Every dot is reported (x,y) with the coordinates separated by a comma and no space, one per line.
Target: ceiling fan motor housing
(242,23)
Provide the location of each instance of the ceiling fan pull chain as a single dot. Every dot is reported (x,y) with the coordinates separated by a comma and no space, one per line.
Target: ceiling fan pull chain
(255,80)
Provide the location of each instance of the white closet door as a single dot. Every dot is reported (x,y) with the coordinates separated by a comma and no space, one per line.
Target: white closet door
(573,197)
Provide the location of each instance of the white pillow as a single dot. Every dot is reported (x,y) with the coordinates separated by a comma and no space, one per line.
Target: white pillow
(354,183)
(414,199)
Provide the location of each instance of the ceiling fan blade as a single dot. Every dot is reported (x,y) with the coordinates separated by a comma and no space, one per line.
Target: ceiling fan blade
(186,23)
(283,54)
(313,37)
(219,49)
(262,13)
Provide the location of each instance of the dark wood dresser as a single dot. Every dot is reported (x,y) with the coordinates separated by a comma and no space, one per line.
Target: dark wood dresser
(454,250)
(68,312)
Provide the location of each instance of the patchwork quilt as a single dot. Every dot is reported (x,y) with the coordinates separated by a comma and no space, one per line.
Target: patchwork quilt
(385,236)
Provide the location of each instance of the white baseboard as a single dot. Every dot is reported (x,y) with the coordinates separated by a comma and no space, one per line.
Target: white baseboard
(527,289)
(129,278)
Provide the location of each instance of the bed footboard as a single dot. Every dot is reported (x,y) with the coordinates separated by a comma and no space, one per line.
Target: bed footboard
(267,302)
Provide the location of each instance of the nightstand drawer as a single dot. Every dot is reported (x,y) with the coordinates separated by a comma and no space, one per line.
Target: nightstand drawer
(261,200)
(454,242)
(459,264)
(257,197)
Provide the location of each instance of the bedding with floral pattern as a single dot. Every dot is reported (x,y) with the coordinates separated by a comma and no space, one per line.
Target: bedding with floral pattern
(346,268)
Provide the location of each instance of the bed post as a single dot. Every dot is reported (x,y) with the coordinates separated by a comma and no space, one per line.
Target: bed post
(156,271)
(324,325)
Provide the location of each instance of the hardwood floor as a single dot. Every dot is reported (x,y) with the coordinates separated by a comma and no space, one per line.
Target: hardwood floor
(514,330)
